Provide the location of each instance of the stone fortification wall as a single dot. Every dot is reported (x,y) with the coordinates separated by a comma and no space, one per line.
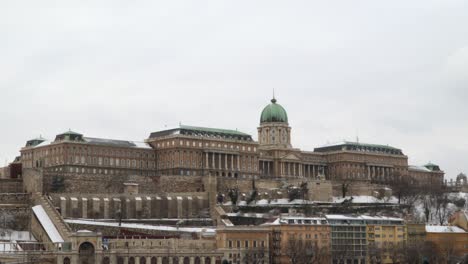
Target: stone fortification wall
(154,206)
(357,188)
(11,186)
(245,185)
(54,182)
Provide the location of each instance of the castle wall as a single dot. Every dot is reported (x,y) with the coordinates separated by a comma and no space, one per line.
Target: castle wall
(154,206)
(245,185)
(55,182)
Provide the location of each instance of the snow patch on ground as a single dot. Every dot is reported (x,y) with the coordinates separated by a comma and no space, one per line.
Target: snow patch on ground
(143,226)
(366,199)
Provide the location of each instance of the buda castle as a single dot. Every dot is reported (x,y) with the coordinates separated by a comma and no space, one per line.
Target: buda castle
(200,151)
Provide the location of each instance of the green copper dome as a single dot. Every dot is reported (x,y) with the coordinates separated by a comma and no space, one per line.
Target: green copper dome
(274,113)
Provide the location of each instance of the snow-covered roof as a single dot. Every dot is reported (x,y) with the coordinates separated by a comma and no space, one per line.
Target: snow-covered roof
(141,226)
(105,142)
(443,229)
(298,220)
(365,199)
(116,142)
(43,143)
(47,224)
(342,217)
(362,217)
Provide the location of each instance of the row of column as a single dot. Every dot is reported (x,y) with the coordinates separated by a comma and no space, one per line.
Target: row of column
(293,169)
(380,173)
(132,207)
(222,161)
(266,168)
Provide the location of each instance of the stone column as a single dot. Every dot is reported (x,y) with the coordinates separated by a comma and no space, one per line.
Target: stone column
(225,161)
(117,206)
(238,162)
(213,160)
(96,207)
(147,207)
(128,209)
(158,260)
(137,260)
(219,160)
(84,207)
(74,207)
(63,206)
(138,207)
(232,162)
(190,211)
(106,208)
(192,260)
(180,209)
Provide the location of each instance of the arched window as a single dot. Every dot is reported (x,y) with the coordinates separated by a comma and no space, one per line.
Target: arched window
(207,260)
(197,260)
(165,260)
(66,260)
(120,260)
(142,260)
(131,260)
(186,260)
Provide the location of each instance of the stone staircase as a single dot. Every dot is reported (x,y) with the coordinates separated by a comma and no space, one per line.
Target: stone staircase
(63,228)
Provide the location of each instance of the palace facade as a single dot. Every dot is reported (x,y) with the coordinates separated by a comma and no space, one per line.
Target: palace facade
(199,151)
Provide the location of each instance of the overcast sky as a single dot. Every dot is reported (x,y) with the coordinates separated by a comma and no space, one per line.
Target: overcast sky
(388,72)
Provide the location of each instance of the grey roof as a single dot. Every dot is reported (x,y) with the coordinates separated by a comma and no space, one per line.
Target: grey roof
(358,146)
(115,143)
(204,132)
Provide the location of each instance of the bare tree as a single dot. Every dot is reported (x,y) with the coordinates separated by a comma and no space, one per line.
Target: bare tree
(442,210)
(427,206)
(305,252)
(254,255)
(402,188)
(375,253)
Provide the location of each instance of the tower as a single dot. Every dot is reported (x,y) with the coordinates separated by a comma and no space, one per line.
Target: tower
(274,130)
